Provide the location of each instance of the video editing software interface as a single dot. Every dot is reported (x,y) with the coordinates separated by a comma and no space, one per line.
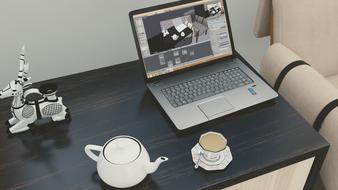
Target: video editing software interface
(183,36)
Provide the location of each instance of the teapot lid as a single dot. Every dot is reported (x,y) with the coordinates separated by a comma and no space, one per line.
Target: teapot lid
(122,150)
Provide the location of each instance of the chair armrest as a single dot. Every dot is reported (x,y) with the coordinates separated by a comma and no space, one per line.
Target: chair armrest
(303,87)
(275,60)
(329,131)
(263,18)
(308,92)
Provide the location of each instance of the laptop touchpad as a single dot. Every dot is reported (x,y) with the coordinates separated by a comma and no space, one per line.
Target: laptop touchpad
(215,106)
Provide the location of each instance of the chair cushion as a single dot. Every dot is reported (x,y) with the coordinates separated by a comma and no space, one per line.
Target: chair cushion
(334,80)
(309,28)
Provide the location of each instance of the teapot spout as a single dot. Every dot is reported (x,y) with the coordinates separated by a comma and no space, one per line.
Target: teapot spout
(153,166)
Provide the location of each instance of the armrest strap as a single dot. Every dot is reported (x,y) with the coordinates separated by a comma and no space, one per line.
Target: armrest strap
(324,113)
(286,70)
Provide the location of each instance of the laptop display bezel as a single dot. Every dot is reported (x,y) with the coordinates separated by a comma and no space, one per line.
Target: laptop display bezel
(168,5)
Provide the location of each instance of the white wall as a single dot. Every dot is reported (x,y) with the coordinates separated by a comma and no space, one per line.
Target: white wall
(242,17)
(63,37)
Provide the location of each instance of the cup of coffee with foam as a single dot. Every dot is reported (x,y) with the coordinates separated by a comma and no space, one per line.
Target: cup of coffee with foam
(211,152)
(212,143)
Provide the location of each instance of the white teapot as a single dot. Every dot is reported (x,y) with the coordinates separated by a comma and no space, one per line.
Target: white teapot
(123,161)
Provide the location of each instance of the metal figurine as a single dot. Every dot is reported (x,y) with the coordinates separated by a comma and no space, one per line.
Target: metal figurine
(33,104)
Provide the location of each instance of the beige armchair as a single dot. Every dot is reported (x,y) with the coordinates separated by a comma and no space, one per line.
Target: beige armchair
(305,30)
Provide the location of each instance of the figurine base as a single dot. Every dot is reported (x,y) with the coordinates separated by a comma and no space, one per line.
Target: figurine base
(17,129)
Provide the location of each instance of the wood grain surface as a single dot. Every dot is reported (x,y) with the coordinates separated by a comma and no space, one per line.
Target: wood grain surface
(292,177)
(114,101)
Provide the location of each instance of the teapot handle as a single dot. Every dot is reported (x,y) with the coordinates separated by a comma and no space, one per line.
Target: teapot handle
(89,151)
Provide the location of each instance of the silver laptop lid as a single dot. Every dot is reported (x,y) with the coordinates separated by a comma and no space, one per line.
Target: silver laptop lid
(181,35)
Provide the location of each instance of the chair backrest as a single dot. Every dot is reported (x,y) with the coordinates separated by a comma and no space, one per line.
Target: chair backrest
(308,27)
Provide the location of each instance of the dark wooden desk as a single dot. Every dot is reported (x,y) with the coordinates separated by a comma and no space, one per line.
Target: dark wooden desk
(112,101)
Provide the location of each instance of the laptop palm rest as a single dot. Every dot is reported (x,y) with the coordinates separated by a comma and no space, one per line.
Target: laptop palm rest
(215,106)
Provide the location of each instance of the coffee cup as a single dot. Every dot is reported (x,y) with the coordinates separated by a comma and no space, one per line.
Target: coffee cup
(212,145)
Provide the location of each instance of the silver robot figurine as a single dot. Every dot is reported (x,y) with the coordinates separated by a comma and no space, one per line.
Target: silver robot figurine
(33,104)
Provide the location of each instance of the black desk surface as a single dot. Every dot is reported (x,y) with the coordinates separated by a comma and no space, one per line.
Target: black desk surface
(112,101)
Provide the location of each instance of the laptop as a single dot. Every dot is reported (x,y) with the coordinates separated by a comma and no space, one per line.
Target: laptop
(191,66)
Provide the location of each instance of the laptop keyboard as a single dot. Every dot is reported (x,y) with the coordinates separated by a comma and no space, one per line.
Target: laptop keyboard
(206,86)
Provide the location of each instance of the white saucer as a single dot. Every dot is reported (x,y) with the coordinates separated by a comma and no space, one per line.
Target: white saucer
(211,165)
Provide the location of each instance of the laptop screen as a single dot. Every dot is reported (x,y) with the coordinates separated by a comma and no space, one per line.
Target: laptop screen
(182,36)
